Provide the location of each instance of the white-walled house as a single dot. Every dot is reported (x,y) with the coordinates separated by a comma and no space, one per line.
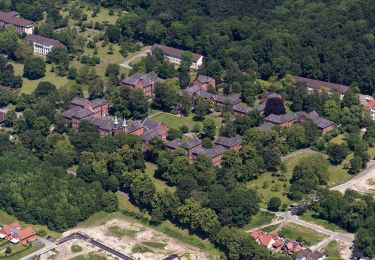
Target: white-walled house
(42,45)
(174,56)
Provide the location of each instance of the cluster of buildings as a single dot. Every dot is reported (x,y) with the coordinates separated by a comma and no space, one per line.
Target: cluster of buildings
(193,148)
(96,113)
(146,82)
(16,234)
(272,241)
(41,45)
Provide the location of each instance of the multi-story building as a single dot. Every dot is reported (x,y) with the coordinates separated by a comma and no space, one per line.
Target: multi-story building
(188,146)
(230,143)
(174,56)
(146,82)
(42,45)
(202,82)
(14,18)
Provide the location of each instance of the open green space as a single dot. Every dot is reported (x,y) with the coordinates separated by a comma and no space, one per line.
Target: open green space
(260,219)
(337,175)
(310,216)
(5,218)
(175,121)
(270,228)
(29,86)
(159,184)
(300,233)
(121,232)
(17,251)
(332,250)
(155,245)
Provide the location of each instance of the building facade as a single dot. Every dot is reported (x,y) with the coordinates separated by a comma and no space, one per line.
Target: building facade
(146,82)
(42,45)
(14,18)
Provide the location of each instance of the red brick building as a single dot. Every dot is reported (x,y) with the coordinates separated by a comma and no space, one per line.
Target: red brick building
(202,82)
(215,154)
(146,82)
(232,143)
(281,120)
(189,146)
(323,124)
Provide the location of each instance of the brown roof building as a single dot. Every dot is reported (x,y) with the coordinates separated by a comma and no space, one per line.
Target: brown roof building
(174,55)
(146,82)
(14,18)
(42,45)
(318,84)
(202,82)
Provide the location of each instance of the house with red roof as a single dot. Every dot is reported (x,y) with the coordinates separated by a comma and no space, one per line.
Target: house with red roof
(23,236)
(8,231)
(267,240)
(370,106)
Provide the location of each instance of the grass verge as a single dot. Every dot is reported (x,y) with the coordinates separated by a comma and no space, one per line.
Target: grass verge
(300,233)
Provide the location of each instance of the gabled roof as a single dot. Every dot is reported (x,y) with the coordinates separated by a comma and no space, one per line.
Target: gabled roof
(190,91)
(318,84)
(191,143)
(44,40)
(267,95)
(232,99)
(175,53)
(204,79)
(320,122)
(83,113)
(228,142)
(13,18)
(148,135)
(265,239)
(25,233)
(98,102)
(370,104)
(69,113)
(241,108)
(134,127)
(105,123)
(212,152)
(147,79)
(150,124)
(204,94)
(265,127)
(174,143)
(79,101)
(8,229)
(279,119)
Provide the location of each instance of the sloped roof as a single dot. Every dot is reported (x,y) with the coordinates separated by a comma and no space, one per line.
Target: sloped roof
(7,228)
(148,135)
(174,143)
(82,113)
(309,255)
(204,79)
(191,143)
(11,18)
(212,152)
(320,122)
(232,99)
(265,127)
(173,52)
(279,119)
(147,79)
(150,124)
(79,101)
(69,113)
(241,108)
(318,84)
(228,142)
(25,233)
(98,102)
(134,126)
(44,40)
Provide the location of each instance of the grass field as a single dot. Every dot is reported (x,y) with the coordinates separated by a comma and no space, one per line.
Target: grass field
(5,218)
(159,184)
(18,251)
(269,228)
(260,219)
(309,217)
(174,121)
(300,233)
(332,250)
(90,256)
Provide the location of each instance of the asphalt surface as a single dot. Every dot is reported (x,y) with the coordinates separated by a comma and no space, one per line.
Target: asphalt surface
(48,246)
(142,53)
(95,243)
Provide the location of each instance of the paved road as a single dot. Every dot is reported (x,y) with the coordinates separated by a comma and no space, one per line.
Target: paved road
(95,243)
(48,246)
(142,53)
(351,183)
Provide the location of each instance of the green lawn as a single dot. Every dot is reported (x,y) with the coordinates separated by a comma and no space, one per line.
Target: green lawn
(338,139)
(337,175)
(29,85)
(269,228)
(260,219)
(159,184)
(332,250)
(5,218)
(90,256)
(309,216)
(18,251)
(174,121)
(300,233)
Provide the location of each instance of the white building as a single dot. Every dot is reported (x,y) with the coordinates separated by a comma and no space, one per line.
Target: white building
(174,56)
(14,18)
(42,45)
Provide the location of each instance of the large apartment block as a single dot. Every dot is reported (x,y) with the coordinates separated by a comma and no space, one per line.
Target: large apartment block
(42,45)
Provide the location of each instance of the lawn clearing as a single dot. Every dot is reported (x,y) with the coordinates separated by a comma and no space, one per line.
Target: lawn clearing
(29,86)
(154,245)
(140,249)
(90,256)
(310,216)
(174,121)
(301,233)
(121,232)
(337,175)
(260,219)
(332,250)
(159,184)
(270,228)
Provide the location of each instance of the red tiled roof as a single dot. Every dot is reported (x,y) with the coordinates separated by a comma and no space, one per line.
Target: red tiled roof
(256,233)
(318,84)
(25,233)
(275,235)
(265,239)
(370,104)
(278,243)
(6,229)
